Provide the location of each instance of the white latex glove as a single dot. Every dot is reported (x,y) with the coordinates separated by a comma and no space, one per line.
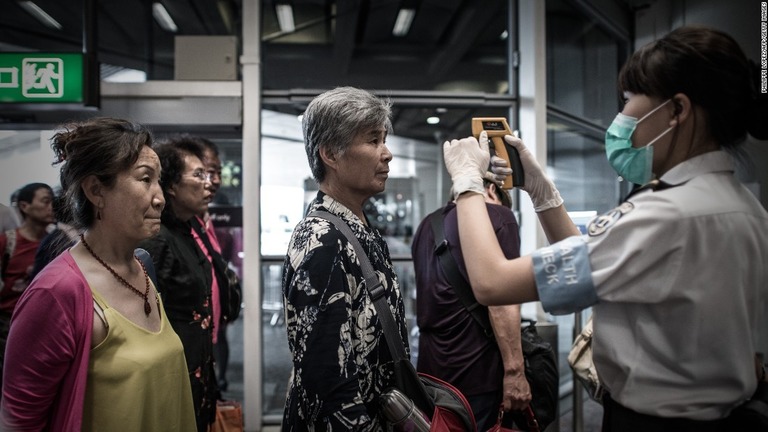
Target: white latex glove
(500,168)
(467,162)
(540,188)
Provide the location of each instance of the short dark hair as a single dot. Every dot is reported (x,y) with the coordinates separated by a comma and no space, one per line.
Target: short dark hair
(188,139)
(171,152)
(209,146)
(27,194)
(503,195)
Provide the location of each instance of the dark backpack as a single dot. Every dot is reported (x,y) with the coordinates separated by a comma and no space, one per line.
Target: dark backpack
(542,374)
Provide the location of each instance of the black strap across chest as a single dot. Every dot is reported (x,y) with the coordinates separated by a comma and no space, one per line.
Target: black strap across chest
(454,276)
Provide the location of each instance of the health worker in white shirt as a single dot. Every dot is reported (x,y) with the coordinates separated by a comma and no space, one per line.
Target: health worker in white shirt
(677,274)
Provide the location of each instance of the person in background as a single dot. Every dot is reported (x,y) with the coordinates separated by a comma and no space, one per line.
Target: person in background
(205,234)
(677,315)
(341,362)
(104,356)
(7,218)
(213,168)
(17,250)
(15,207)
(454,346)
(184,272)
(63,236)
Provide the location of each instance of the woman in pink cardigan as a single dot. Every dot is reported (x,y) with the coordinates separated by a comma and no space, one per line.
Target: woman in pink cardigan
(90,346)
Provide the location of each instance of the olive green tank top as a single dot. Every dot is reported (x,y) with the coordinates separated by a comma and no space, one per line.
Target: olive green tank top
(137,379)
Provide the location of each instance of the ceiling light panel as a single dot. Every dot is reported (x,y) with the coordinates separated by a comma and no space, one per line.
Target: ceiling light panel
(163,18)
(40,15)
(403,22)
(285,18)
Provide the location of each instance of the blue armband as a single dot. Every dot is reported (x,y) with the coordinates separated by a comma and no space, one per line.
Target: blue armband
(564,276)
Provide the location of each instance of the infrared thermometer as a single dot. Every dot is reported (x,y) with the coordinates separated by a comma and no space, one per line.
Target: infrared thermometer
(497,127)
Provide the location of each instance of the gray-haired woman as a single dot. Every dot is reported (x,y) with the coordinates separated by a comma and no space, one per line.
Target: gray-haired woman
(341,363)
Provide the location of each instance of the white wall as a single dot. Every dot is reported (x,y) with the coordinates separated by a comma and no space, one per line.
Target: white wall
(25,157)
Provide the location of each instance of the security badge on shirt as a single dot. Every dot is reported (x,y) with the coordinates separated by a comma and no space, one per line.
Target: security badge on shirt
(600,224)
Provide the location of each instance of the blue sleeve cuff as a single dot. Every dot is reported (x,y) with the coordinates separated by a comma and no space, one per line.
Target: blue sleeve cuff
(564,276)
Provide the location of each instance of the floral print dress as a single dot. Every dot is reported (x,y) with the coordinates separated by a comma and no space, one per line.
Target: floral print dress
(341,363)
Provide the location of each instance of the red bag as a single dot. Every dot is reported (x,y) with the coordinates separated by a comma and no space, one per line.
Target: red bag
(452,410)
(532,426)
(423,403)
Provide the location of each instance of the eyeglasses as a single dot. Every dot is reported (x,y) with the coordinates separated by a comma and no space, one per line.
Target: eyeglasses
(202,176)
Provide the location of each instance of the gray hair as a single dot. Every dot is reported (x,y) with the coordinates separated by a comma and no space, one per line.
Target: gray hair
(335,117)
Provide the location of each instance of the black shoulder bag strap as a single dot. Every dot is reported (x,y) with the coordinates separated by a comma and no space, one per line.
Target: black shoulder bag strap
(405,374)
(149,266)
(372,284)
(454,276)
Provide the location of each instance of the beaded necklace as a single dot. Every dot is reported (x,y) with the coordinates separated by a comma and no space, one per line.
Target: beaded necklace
(144,295)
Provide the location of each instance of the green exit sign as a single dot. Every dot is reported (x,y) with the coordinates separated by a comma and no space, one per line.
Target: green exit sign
(41,78)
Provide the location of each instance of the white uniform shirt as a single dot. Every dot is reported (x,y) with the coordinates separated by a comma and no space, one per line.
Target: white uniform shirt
(678,277)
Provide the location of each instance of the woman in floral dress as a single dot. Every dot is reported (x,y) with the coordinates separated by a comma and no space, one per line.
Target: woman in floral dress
(341,363)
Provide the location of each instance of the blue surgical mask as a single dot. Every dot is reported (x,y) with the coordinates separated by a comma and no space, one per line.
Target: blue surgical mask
(634,164)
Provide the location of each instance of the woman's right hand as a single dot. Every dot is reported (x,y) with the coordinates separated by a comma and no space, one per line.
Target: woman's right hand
(540,188)
(467,161)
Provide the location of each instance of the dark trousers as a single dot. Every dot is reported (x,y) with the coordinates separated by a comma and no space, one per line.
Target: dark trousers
(221,355)
(617,418)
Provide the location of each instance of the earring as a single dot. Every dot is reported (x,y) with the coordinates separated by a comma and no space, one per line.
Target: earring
(98,214)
